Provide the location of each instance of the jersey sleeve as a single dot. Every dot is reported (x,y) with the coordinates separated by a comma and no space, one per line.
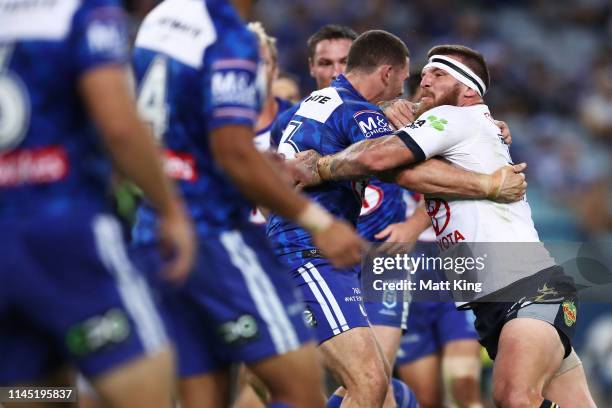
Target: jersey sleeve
(280,124)
(367,123)
(234,90)
(100,35)
(434,133)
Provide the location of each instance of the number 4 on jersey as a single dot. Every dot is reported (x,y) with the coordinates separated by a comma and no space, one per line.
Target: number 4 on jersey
(152,96)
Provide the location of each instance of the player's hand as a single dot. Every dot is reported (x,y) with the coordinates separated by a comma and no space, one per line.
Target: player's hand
(399,237)
(503,126)
(400,112)
(509,184)
(288,170)
(178,244)
(307,173)
(340,243)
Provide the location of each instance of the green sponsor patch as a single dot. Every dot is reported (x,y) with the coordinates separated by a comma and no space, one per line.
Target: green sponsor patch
(436,123)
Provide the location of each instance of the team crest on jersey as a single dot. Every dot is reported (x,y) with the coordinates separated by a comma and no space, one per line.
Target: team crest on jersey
(372,123)
(440,214)
(309,318)
(372,199)
(569,312)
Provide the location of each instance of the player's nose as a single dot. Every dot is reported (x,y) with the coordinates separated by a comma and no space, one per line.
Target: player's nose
(338,69)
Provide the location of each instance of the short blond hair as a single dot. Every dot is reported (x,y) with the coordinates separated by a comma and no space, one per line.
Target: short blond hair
(263,38)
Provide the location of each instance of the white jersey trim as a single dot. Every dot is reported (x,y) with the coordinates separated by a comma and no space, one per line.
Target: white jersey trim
(320,104)
(27,19)
(181,29)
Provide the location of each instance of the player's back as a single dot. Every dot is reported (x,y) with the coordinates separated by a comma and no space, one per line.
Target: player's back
(196,67)
(51,160)
(326,122)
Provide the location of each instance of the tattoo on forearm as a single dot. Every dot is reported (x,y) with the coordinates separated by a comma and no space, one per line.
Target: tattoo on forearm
(347,164)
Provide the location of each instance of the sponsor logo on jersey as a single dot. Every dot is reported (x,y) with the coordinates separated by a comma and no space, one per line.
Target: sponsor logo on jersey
(322,99)
(106,37)
(97,332)
(239,331)
(33,166)
(436,123)
(234,87)
(372,199)
(569,312)
(180,166)
(372,123)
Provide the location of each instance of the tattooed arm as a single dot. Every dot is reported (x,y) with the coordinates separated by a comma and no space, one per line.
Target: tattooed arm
(389,158)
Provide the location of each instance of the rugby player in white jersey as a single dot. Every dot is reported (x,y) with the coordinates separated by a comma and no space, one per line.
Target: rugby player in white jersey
(530,337)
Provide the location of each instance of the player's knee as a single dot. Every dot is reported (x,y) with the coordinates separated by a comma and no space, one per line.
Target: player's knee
(508,395)
(372,383)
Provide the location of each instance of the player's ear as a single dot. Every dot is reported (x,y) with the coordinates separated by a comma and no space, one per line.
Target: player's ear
(470,93)
(311,66)
(385,73)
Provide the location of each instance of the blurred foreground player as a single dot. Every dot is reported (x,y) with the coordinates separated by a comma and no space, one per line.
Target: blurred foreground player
(70,295)
(196,66)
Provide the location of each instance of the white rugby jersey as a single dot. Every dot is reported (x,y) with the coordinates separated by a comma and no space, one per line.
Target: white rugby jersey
(469,138)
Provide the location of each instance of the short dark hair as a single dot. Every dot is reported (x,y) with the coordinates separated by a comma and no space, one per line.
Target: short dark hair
(375,48)
(329,32)
(472,58)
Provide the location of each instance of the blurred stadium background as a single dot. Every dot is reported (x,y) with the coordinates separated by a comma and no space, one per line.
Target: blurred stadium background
(551,65)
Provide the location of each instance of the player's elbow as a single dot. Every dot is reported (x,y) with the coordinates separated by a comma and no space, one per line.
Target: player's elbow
(409,179)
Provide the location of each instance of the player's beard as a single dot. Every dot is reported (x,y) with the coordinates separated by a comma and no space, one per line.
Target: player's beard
(449,98)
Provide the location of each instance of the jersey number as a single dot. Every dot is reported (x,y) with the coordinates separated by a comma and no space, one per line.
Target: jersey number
(286,146)
(152,104)
(14,104)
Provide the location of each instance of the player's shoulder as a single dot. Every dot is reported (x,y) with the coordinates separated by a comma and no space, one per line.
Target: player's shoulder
(444,118)
(190,30)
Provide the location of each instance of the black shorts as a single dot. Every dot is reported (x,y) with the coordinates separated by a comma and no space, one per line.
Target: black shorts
(548,295)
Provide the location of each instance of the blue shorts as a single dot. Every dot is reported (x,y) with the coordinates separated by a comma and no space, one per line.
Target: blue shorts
(430,326)
(391,311)
(332,297)
(69,294)
(238,304)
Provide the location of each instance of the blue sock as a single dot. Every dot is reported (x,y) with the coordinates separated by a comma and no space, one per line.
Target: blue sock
(334,401)
(404,397)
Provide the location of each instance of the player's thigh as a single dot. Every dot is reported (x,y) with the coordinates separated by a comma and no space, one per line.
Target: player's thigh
(294,377)
(89,298)
(355,358)
(147,381)
(529,353)
(388,337)
(570,388)
(239,305)
(423,377)
(210,390)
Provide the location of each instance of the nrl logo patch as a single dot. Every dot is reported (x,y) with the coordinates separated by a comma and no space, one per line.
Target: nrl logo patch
(569,312)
